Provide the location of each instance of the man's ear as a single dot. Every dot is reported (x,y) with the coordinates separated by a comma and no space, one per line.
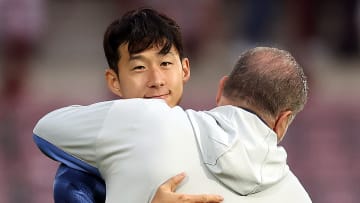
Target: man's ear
(221,88)
(185,69)
(282,123)
(113,82)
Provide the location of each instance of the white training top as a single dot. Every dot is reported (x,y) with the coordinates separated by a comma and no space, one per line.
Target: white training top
(138,144)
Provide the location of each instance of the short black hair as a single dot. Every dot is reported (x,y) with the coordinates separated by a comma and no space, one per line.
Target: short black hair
(141,29)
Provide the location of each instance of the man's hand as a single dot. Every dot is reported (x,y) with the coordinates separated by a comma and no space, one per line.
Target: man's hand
(166,193)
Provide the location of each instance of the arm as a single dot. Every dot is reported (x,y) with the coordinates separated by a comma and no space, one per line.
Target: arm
(75,181)
(65,135)
(71,130)
(61,130)
(75,186)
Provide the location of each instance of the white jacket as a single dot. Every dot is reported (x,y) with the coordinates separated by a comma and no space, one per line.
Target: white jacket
(137,144)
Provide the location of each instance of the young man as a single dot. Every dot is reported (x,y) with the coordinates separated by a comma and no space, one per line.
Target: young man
(145,55)
(232,149)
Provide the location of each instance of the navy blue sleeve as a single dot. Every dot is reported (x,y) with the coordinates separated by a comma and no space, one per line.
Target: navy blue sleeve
(75,186)
(75,181)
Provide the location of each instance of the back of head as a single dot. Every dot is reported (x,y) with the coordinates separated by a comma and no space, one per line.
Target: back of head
(269,80)
(141,29)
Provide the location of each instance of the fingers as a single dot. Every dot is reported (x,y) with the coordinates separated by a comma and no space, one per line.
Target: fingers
(166,193)
(173,182)
(199,198)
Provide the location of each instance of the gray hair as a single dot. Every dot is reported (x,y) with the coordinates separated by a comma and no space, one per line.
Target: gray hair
(268,79)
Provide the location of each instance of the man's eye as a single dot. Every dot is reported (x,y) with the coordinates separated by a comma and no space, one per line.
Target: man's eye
(165,63)
(139,68)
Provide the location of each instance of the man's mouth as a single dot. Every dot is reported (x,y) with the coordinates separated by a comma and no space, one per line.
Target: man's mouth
(158,96)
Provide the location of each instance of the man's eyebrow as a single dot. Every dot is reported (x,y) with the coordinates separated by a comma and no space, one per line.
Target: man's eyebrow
(170,53)
(141,57)
(136,57)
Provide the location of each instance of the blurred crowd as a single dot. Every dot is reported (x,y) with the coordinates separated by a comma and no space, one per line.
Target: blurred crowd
(51,56)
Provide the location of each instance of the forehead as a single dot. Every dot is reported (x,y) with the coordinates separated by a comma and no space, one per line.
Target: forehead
(156,49)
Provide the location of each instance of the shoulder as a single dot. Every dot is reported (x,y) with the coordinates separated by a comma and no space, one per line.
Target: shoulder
(71,115)
(143,107)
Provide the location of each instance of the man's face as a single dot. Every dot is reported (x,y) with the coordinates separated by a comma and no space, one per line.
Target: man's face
(149,74)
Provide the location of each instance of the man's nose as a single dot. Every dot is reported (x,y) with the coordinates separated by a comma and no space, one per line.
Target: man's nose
(156,78)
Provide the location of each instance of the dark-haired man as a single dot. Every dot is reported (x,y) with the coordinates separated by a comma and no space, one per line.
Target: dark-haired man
(146,60)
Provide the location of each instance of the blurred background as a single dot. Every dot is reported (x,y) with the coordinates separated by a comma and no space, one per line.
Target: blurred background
(51,56)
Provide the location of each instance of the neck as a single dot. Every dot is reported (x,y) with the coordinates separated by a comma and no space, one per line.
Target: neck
(268,120)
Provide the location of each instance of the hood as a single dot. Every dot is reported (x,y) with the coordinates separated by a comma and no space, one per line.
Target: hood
(239,149)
